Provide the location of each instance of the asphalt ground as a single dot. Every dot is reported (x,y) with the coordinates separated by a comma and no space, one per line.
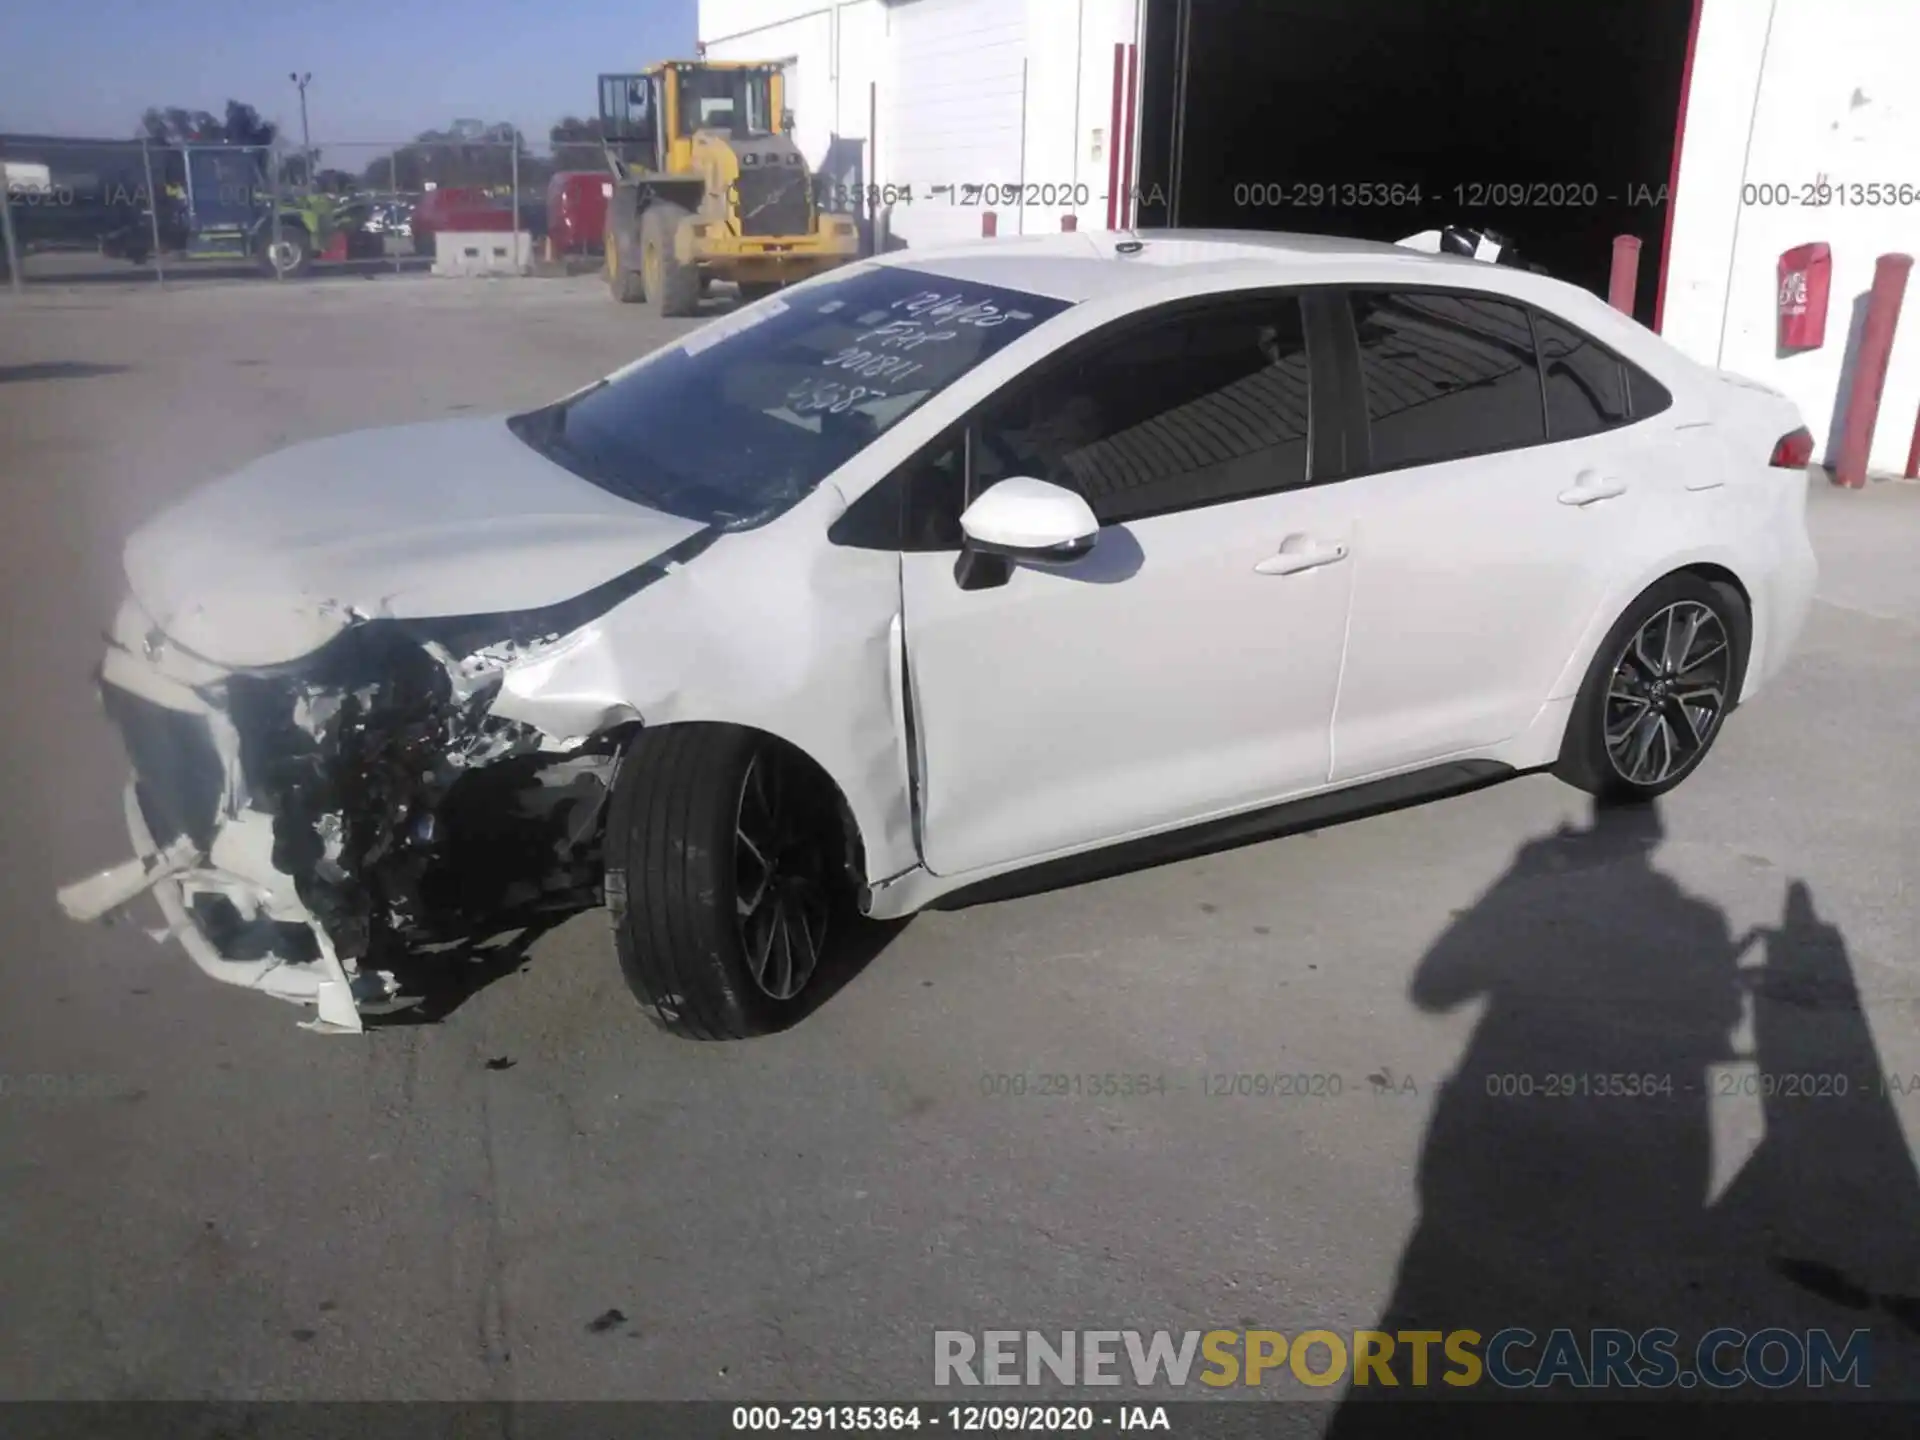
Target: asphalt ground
(542,1197)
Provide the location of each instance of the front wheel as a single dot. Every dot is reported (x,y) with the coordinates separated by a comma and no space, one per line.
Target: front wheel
(1658,690)
(289,256)
(723,878)
(623,284)
(673,285)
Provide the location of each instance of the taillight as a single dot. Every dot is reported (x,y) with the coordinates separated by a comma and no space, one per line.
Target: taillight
(1795,451)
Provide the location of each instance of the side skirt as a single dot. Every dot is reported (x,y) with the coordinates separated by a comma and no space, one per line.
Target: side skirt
(1355,802)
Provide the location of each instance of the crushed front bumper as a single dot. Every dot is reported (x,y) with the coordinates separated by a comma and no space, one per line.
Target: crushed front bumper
(179,880)
(200,848)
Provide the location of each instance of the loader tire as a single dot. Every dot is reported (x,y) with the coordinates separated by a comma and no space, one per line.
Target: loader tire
(624,284)
(673,286)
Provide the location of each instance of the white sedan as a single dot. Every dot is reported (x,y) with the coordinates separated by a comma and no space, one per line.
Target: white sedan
(947,576)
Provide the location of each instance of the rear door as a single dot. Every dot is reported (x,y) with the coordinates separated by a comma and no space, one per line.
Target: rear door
(1484,541)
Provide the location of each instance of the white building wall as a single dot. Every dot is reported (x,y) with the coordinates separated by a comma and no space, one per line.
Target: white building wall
(1796,93)
(946,81)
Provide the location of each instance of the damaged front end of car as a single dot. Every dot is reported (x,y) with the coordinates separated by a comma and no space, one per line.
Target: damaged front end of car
(311,829)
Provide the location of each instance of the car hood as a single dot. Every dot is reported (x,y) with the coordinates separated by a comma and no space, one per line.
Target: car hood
(447,518)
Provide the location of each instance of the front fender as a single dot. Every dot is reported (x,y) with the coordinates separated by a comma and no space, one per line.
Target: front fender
(798,640)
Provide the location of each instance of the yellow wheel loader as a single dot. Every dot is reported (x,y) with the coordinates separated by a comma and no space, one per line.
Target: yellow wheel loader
(708,185)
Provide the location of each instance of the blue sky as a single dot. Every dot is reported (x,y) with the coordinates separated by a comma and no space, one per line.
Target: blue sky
(383,70)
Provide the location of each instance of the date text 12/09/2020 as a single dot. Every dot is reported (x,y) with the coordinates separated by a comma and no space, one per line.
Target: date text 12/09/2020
(1469,195)
(985,194)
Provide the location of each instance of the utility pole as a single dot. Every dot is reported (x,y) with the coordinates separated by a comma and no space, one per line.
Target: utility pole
(306,138)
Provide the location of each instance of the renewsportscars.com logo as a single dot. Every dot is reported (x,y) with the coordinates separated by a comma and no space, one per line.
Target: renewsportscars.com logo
(1512,1359)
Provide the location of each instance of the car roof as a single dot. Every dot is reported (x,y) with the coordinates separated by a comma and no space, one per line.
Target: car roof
(1083,265)
(1079,266)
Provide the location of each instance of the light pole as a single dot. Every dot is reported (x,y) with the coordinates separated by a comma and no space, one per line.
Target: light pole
(306,139)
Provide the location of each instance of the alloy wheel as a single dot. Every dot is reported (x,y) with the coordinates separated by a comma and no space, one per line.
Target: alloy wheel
(1668,693)
(780,880)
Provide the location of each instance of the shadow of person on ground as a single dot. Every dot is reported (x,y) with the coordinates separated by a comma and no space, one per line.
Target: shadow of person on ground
(1569,1175)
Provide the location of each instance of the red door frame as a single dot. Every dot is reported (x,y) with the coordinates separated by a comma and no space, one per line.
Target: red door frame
(1673,178)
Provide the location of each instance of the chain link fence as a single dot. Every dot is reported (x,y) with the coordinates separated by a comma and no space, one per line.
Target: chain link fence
(81,211)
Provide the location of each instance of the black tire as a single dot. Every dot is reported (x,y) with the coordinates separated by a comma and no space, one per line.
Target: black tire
(676,875)
(752,290)
(1637,697)
(623,284)
(296,247)
(673,287)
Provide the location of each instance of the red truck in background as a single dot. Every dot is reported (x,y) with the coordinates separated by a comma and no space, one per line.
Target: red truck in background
(577,210)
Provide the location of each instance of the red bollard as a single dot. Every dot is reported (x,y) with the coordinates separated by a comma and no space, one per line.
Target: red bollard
(1870,369)
(989,224)
(1626,273)
(1069,222)
(1913,452)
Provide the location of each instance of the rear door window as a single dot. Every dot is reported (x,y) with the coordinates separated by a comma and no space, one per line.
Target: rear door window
(1445,374)
(1586,383)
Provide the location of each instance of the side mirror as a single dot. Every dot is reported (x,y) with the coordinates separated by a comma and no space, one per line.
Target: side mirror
(1030,520)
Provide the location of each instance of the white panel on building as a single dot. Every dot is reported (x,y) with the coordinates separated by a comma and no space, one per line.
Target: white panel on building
(1801,127)
(951,113)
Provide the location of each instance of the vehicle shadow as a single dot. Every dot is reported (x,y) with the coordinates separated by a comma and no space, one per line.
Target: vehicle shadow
(1645,1133)
(58,370)
(860,944)
(210,270)
(435,983)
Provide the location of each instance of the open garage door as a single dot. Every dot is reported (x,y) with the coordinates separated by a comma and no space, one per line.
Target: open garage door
(952,114)
(1555,124)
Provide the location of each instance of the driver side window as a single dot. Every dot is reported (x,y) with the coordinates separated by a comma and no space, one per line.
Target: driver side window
(1197,408)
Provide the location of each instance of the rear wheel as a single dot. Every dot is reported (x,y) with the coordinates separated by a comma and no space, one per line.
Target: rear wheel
(673,286)
(1658,691)
(723,878)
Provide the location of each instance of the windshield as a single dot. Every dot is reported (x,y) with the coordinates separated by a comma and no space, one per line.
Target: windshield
(725,100)
(749,413)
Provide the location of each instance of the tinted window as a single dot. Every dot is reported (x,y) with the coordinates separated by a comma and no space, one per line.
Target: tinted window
(1182,412)
(1646,395)
(1445,376)
(1586,385)
(749,413)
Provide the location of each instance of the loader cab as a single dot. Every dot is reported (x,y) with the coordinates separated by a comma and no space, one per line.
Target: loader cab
(741,100)
(648,120)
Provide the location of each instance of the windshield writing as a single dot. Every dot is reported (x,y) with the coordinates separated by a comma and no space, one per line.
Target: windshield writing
(748,414)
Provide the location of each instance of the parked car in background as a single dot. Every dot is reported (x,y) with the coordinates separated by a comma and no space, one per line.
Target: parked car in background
(941,577)
(467,208)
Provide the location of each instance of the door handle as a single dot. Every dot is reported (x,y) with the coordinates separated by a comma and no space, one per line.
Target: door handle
(1292,562)
(1589,488)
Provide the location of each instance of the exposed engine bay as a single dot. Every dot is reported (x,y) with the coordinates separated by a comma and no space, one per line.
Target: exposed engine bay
(313,825)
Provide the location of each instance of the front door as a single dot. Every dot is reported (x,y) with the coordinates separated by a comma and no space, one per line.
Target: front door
(1188,666)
